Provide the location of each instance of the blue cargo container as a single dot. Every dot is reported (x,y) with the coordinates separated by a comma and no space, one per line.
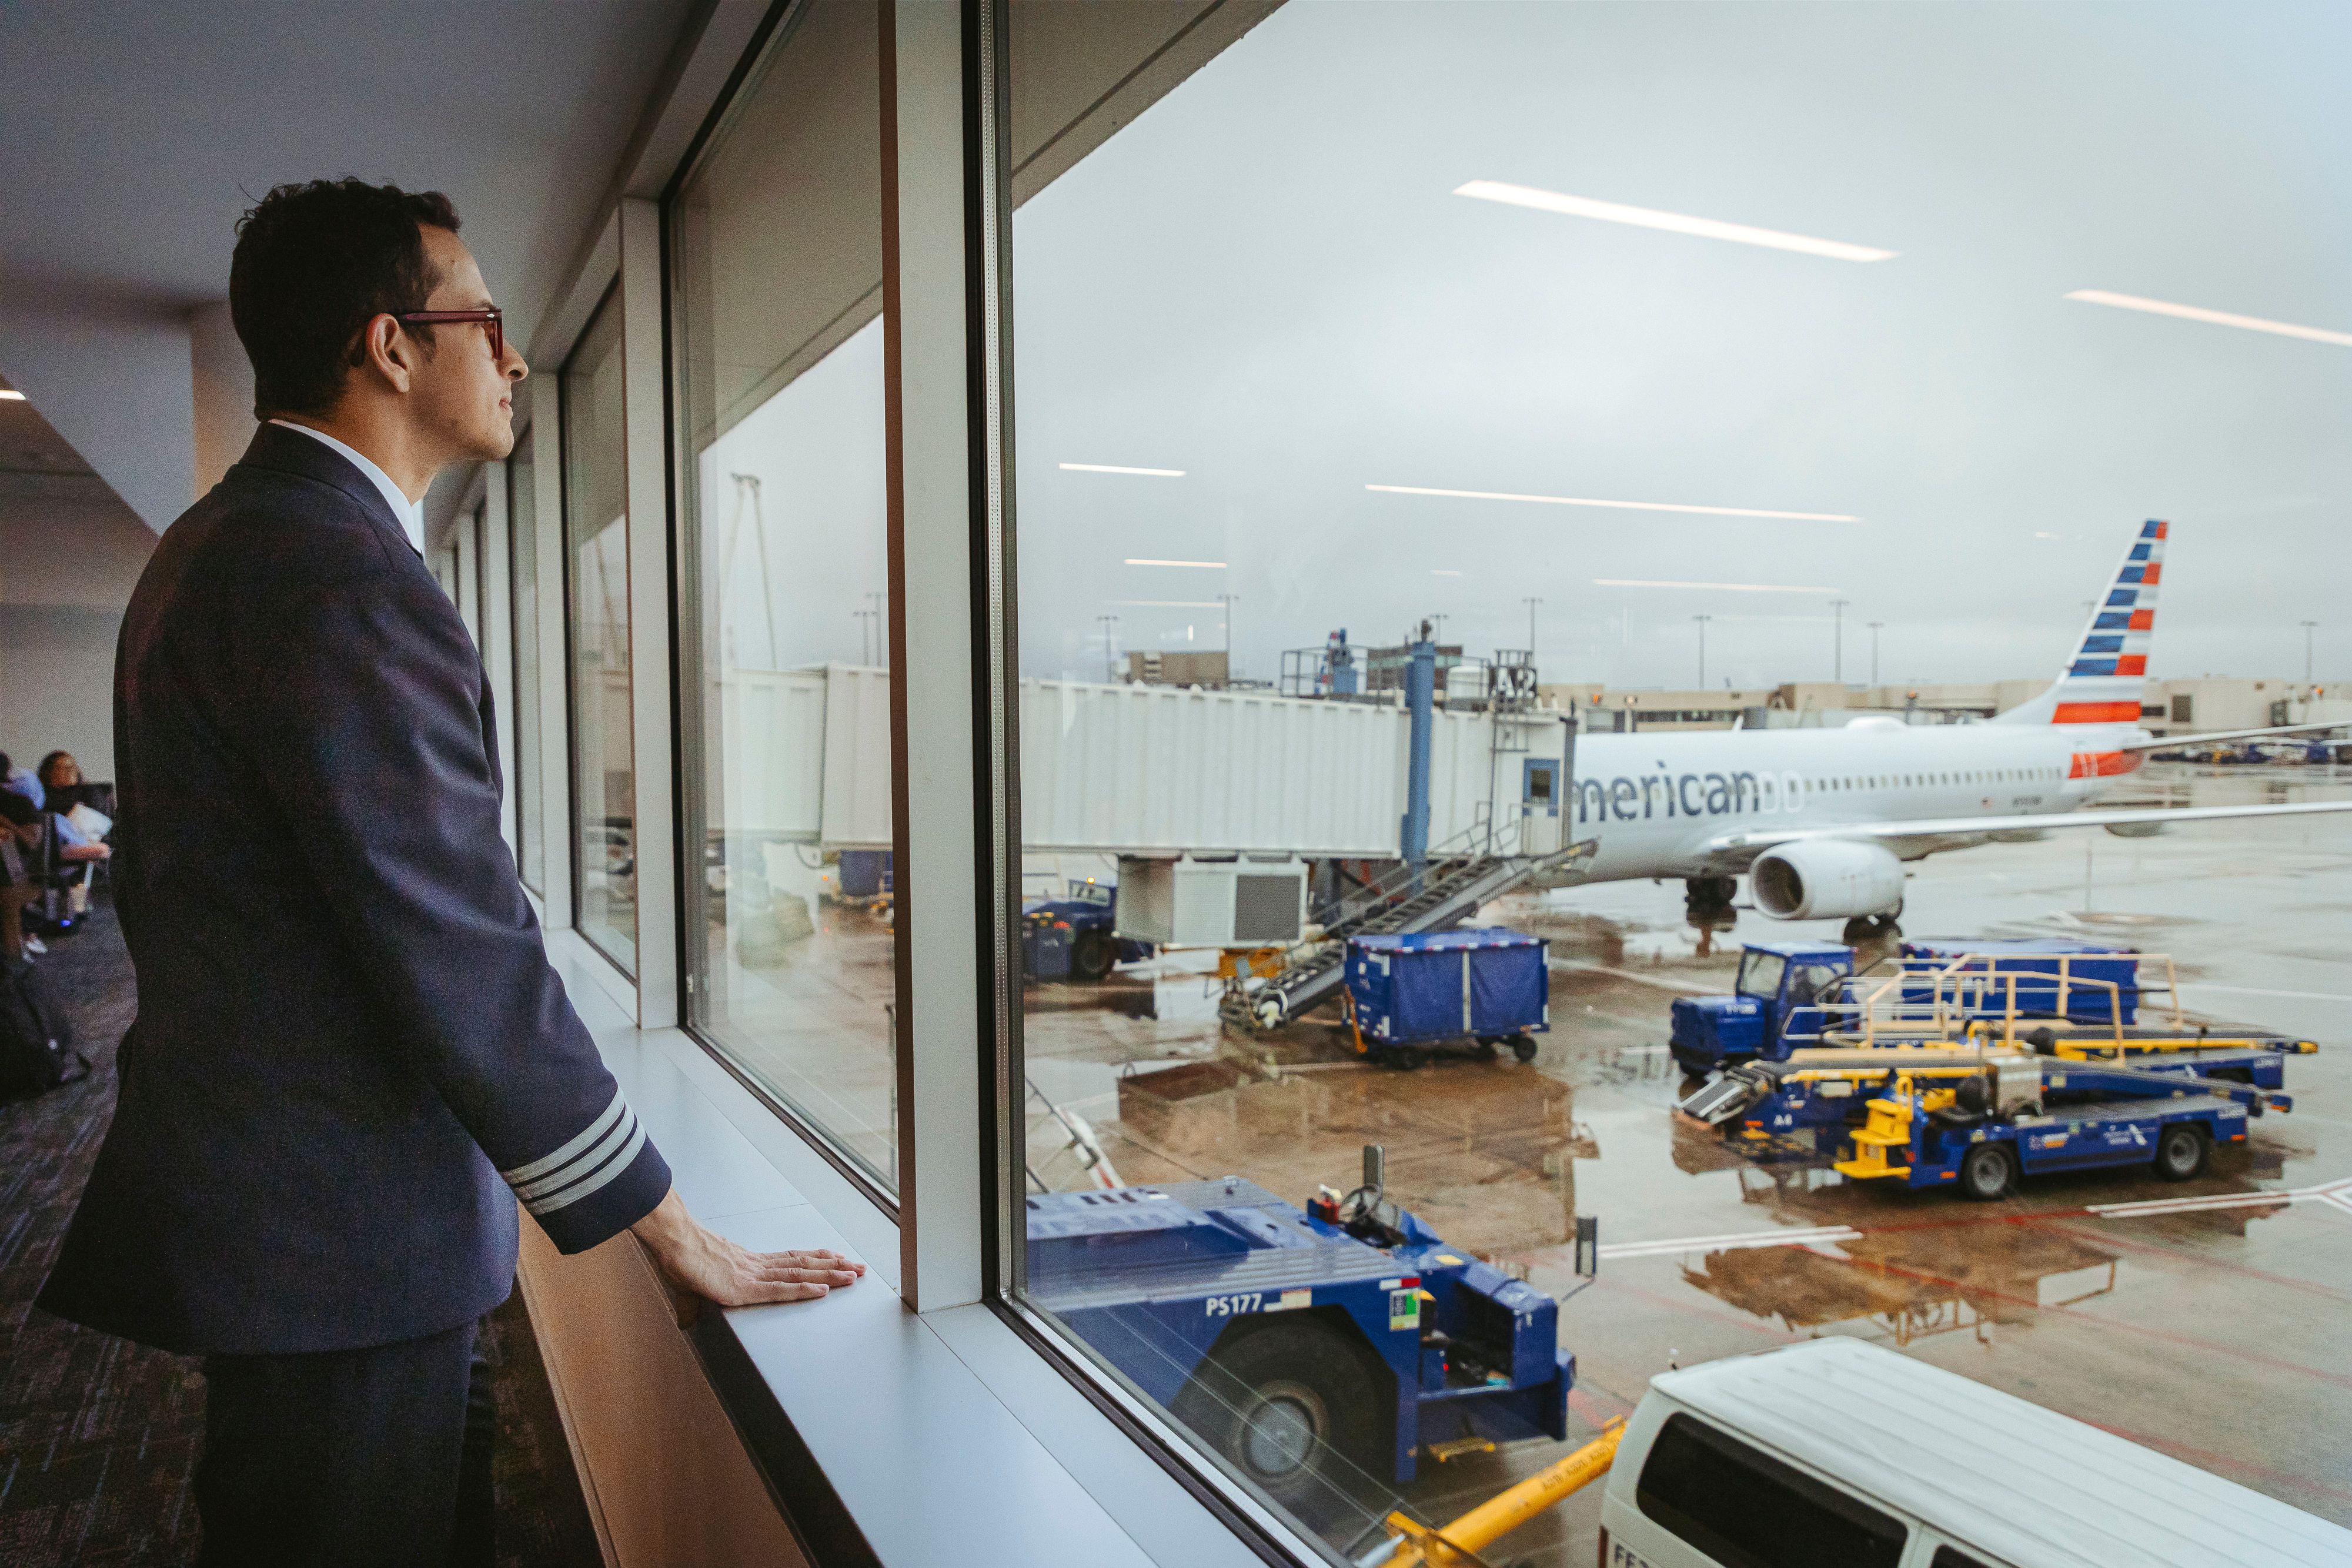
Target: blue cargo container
(2038,956)
(1490,985)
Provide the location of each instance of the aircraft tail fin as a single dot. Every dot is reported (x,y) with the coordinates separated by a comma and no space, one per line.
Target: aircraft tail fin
(2105,679)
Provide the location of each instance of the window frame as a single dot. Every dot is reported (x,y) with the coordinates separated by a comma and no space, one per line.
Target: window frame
(611,299)
(687,708)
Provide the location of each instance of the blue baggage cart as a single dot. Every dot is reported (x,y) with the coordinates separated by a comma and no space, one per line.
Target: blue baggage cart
(1477,991)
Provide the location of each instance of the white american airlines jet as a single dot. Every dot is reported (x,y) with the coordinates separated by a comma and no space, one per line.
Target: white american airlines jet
(1822,819)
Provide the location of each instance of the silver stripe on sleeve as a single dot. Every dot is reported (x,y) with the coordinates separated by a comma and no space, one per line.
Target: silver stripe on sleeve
(618,1164)
(572,1150)
(575,1169)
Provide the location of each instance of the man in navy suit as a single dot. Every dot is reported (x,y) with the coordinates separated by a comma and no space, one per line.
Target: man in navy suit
(351,1057)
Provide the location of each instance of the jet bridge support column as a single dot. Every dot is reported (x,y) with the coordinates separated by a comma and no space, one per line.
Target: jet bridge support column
(1420,689)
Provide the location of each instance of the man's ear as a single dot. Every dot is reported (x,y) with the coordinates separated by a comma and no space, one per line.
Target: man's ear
(387,352)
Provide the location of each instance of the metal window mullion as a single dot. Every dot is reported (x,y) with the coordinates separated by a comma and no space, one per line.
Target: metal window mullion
(938,795)
(644,442)
(497,640)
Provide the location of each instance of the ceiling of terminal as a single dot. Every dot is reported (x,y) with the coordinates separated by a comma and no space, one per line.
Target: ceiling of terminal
(137,134)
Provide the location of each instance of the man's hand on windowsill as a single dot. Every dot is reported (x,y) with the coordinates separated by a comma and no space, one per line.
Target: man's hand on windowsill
(700,1262)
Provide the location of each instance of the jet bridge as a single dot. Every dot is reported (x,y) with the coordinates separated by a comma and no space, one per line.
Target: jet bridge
(1142,770)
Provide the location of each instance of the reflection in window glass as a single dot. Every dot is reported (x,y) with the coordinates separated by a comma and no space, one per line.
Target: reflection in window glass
(596,545)
(1382,375)
(522,535)
(778,269)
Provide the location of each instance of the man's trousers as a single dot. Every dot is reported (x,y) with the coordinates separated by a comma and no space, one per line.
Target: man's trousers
(379,1455)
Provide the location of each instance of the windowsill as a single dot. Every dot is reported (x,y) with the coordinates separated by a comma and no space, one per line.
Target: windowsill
(943,1437)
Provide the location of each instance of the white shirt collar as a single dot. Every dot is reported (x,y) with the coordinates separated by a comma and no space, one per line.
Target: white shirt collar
(410,513)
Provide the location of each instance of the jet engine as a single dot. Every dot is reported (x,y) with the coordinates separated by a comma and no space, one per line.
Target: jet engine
(1822,879)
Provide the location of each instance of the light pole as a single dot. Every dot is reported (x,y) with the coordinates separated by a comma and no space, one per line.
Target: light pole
(1873,651)
(2309,628)
(1110,666)
(1531,604)
(1229,601)
(881,649)
(1702,621)
(1837,634)
(863,639)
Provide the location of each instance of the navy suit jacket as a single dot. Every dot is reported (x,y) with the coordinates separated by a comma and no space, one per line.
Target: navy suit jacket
(351,1056)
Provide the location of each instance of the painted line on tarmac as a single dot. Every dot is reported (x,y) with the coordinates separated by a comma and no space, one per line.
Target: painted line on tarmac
(2336,1194)
(1820,1234)
(2259,991)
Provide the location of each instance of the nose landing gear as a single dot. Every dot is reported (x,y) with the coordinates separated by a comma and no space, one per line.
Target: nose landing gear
(1707,906)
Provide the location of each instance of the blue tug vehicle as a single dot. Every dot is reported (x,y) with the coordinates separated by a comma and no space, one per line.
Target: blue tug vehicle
(1322,1351)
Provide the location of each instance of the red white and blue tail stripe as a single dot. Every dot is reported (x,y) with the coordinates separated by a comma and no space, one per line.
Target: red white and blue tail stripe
(2104,682)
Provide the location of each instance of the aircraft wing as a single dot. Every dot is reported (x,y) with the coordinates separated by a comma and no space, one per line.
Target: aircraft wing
(1741,848)
(2169,742)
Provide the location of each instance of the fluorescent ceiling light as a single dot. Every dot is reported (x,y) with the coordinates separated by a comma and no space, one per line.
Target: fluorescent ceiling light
(1444,573)
(8,396)
(1626,505)
(1204,565)
(1114,468)
(1171,604)
(1673,222)
(2218,317)
(1723,587)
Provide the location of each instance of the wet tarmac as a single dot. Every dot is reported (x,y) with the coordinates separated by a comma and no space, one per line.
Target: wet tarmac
(2219,1333)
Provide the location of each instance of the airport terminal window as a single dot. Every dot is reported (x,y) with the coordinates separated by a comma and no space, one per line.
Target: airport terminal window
(596,571)
(776,246)
(1377,373)
(523,774)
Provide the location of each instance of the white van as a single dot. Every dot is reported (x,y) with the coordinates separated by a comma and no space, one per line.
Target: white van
(1834,1453)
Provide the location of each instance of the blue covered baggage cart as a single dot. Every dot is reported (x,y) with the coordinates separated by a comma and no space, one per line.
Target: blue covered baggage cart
(1477,991)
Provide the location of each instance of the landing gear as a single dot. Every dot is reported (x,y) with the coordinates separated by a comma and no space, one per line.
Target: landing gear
(1865,930)
(1707,901)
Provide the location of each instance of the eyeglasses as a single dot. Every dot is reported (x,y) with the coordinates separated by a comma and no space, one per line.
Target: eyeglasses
(490,316)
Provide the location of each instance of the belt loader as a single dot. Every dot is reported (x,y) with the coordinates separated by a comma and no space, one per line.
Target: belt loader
(1976,1120)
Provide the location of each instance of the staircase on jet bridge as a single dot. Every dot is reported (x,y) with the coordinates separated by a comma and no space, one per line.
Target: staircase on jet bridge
(1450,889)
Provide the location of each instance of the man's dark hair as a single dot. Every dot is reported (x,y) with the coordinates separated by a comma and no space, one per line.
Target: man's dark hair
(314,264)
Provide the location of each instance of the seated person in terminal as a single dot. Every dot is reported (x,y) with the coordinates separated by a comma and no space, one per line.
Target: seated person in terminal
(69,799)
(19,781)
(19,854)
(351,1058)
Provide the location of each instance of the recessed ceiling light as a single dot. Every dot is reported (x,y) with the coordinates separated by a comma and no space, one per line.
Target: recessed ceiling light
(1204,565)
(1725,587)
(1114,468)
(1673,222)
(1626,506)
(8,396)
(1171,604)
(2218,317)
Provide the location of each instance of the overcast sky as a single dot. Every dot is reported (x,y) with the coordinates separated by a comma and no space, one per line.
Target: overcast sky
(1267,283)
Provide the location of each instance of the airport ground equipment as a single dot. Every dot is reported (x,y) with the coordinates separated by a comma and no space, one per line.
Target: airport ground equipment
(1937,1115)
(2072,1000)
(1460,877)
(1476,991)
(1315,1349)
(1074,936)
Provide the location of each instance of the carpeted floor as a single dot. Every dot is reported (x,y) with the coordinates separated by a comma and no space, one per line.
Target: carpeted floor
(98,1437)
